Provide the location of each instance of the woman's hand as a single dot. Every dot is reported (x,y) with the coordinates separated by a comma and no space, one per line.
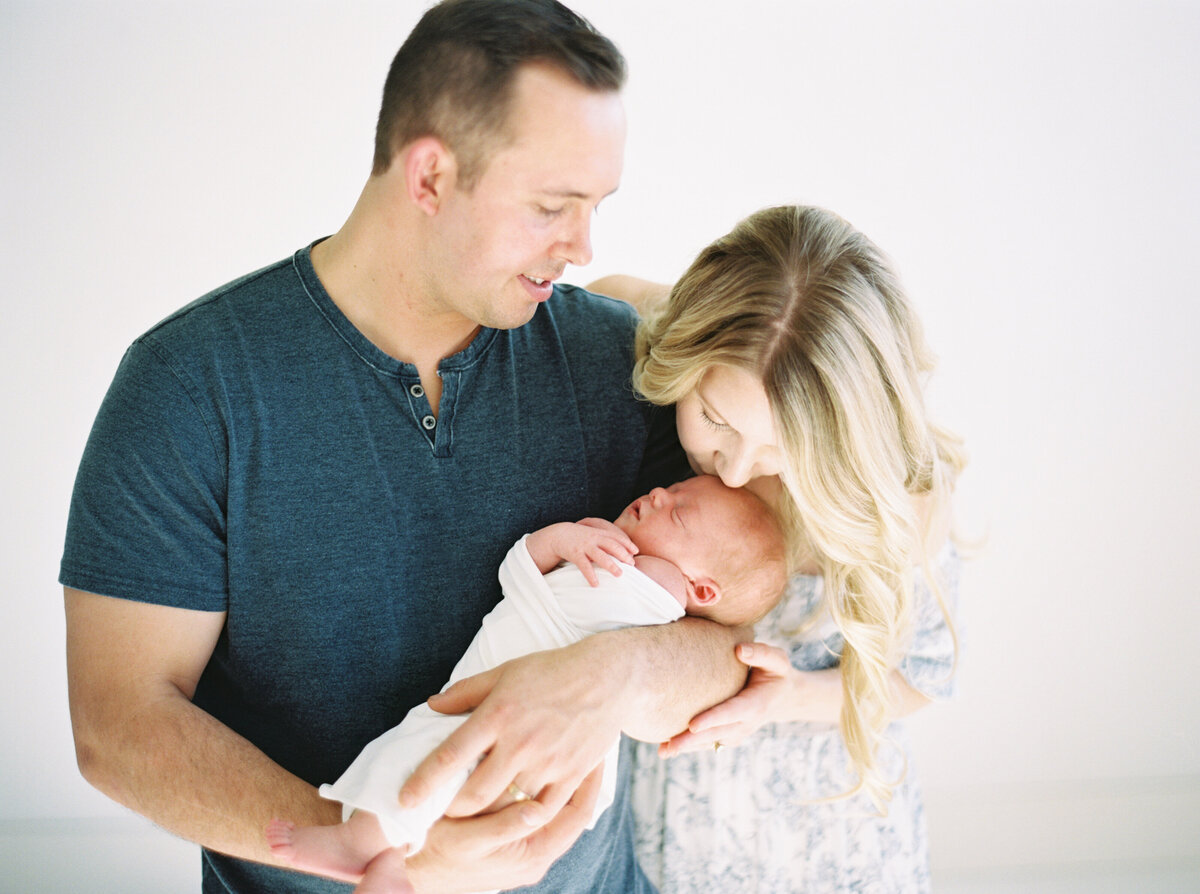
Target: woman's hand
(775,692)
(730,722)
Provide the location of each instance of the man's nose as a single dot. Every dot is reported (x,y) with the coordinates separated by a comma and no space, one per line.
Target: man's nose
(576,244)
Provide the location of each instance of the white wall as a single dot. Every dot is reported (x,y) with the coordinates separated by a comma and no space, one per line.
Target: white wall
(1030,166)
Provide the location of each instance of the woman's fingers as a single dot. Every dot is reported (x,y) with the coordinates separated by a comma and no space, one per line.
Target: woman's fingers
(731,734)
(742,708)
(766,657)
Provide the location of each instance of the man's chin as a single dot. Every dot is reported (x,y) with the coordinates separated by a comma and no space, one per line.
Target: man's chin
(515,319)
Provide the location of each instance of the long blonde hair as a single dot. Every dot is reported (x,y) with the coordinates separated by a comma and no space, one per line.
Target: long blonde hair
(810,306)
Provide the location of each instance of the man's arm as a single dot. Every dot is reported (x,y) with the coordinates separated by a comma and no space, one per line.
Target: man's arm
(132,669)
(545,720)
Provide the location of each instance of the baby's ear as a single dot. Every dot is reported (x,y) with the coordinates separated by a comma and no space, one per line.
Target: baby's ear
(706,592)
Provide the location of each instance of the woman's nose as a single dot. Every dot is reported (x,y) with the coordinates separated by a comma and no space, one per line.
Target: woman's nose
(736,469)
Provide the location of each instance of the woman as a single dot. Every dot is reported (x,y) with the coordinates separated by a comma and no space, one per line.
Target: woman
(796,364)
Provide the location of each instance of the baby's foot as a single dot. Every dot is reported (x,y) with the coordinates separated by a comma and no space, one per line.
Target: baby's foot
(342,851)
(280,837)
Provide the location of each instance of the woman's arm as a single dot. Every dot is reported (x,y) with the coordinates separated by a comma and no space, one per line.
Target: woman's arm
(641,293)
(778,693)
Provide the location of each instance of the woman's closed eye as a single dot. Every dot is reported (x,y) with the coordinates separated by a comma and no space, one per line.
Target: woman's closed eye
(712,423)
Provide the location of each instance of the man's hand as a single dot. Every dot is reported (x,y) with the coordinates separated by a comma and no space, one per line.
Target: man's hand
(542,722)
(508,849)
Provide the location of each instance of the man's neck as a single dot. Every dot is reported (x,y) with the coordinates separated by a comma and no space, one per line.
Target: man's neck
(364,270)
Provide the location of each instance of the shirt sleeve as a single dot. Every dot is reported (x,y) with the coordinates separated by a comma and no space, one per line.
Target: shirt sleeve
(147,518)
(930,663)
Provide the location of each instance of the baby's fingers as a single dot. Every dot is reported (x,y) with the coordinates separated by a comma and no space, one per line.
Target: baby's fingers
(604,557)
(613,531)
(584,564)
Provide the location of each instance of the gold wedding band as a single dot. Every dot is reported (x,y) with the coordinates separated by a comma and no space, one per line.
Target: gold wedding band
(717,746)
(517,793)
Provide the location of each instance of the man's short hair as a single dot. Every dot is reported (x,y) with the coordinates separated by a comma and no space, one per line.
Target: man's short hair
(452,78)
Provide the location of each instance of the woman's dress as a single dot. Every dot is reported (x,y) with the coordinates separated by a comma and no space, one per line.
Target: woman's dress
(744,821)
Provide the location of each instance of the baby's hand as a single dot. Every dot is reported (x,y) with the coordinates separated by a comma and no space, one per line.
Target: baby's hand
(591,542)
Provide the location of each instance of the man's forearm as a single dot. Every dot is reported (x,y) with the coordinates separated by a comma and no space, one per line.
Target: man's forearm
(675,671)
(193,776)
(132,669)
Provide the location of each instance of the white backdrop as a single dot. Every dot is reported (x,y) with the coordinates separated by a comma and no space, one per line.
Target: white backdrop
(1032,168)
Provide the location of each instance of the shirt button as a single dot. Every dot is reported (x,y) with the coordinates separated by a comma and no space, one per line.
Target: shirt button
(416,391)
(429,422)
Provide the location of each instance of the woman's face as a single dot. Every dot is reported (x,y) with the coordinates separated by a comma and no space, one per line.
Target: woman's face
(727,428)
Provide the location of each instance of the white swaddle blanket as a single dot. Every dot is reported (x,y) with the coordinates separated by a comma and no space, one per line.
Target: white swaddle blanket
(537,613)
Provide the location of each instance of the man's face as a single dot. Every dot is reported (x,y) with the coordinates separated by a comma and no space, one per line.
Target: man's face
(504,242)
(688,523)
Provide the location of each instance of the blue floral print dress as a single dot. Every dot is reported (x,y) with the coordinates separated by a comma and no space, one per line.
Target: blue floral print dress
(751,819)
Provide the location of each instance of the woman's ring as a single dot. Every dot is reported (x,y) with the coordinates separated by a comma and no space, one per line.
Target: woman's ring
(516,792)
(717,746)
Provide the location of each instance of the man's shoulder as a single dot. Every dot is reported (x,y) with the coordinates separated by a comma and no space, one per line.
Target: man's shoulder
(575,309)
(592,330)
(236,299)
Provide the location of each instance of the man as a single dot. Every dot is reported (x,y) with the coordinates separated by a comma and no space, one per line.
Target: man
(288,518)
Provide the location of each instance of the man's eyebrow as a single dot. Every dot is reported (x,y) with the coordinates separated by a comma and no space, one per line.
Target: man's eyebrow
(565,193)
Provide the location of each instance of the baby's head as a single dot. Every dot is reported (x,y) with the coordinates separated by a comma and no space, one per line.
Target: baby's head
(724,541)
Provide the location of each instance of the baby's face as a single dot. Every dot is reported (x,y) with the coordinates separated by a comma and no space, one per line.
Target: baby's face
(687,524)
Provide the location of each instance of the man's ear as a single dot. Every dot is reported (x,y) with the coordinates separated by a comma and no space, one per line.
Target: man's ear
(430,171)
(706,592)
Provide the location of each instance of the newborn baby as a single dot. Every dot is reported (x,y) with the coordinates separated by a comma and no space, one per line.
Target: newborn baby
(697,547)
